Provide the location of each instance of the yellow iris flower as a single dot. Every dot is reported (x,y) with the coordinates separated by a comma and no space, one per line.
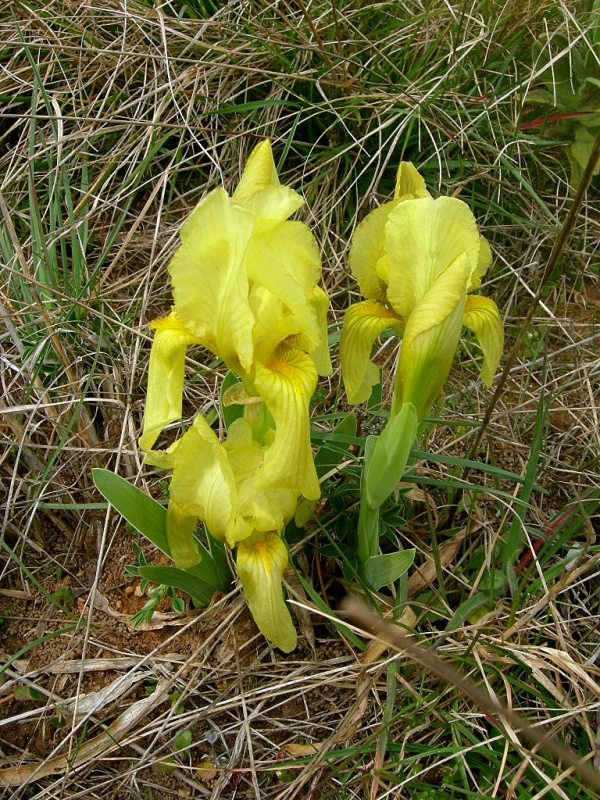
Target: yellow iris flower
(244,286)
(417,259)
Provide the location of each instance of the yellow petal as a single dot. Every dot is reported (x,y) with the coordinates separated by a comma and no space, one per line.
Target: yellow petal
(283,265)
(273,204)
(261,562)
(430,339)
(484,261)
(180,536)
(286,386)
(259,190)
(321,357)
(483,318)
(203,484)
(259,172)
(165,377)
(266,509)
(257,509)
(423,237)
(210,282)
(368,251)
(409,183)
(363,322)
(237,394)
(163,459)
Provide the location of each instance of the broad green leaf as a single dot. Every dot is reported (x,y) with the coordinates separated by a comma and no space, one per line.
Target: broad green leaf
(140,510)
(383,569)
(202,590)
(390,455)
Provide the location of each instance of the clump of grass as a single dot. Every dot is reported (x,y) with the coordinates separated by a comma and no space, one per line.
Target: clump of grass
(116,121)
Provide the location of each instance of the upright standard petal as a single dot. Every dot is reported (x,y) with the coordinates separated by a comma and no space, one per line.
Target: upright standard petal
(283,261)
(259,189)
(363,322)
(203,484)
(259,172)
(286,385)
(165,377)
(483,318)
(367,252)
(423,237)
(273,204)
(409,183)
(261,562)
(210,280)
(257,509)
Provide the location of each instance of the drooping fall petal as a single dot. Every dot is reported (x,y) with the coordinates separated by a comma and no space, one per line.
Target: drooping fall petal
(363,322)
(286,385)
(430,339)
(165,377)
(261,562)
(483,318)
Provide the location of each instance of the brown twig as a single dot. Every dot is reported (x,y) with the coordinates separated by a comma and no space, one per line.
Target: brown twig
(498,714)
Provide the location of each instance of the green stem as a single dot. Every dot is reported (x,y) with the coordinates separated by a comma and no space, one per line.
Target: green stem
(368,533)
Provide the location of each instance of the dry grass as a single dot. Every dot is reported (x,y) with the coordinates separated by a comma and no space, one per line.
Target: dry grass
(117,117)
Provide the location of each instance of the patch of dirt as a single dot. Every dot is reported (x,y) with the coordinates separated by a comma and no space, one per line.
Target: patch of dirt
(231,698)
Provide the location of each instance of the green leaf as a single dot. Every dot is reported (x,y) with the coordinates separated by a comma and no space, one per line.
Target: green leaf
(178,605)
(328,455)
(140,510)
(466,609)
(383,569)
(27,694)
(390,455)
(579,154)
(217,555)
(199,587)
(183,740)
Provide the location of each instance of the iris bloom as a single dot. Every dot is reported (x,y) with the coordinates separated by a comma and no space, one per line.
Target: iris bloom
(417,260)
(244,286)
